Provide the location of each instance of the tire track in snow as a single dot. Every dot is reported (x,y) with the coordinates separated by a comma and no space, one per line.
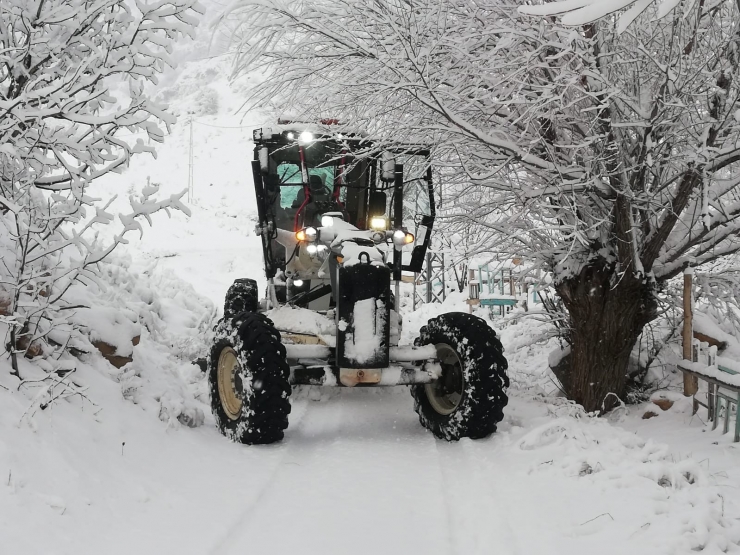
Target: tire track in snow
(479,524)
(453,527)
(315,418)
(360,478)
(245,516)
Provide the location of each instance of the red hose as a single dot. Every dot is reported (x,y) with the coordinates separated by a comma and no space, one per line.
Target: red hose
(306,190)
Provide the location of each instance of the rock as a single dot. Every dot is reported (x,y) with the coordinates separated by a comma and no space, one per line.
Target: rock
(23,343)
(664,404)
(35,349)
(173,407)
(191,417)
(109,353)
(201,363)
(649,414)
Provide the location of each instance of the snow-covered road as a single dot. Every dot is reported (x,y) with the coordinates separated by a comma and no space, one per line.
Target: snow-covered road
(357,474)
(354,466)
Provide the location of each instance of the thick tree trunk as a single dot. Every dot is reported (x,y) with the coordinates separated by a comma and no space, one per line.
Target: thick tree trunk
(607,315)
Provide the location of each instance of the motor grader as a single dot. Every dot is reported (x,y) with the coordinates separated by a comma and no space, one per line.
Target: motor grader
(340,220)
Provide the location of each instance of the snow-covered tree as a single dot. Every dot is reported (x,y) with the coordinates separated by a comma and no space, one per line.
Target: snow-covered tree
(581,12)
(73,76)
(606,153)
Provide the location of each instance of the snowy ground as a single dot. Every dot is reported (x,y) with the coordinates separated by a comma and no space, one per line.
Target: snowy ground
(117,472)
(356,473)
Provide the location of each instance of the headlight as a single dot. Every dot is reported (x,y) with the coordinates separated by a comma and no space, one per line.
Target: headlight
(308,234)
(312,249)
(327,221)
(401,238)
(306,137)
(378,222)
(298,283)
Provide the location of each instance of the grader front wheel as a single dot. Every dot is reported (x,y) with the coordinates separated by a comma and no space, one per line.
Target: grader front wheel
(248,380)
(469,397)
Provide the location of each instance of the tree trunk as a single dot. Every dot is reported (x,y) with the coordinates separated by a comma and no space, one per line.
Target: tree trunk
(607,314)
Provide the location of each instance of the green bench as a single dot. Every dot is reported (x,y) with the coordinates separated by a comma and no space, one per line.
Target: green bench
(722,395)
(492,302)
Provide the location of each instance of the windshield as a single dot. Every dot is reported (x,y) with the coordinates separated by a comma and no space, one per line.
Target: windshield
(334,180)
(290,173)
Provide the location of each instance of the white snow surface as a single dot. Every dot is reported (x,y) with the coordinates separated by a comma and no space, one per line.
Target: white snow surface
(301,320)
(119,470)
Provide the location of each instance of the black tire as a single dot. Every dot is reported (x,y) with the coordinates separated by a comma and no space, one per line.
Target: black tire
(242,296)
(473,384)
(259,381)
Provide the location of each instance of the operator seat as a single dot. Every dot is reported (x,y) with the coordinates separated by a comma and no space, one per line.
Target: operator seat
(317,191)
(320,201)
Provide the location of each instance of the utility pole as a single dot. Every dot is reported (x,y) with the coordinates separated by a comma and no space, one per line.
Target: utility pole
(690,383)
(190,165)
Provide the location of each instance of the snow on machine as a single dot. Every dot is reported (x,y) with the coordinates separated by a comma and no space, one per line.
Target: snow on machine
(335,222)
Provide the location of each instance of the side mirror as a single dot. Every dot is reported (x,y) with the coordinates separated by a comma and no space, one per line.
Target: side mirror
(387,167)
(376,204)
(264,160)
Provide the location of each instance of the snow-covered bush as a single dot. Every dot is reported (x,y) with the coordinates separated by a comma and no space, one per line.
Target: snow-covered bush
(61,129)
(170,322)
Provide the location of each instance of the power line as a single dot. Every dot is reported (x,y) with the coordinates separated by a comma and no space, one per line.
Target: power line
(223,126)
(212,57)
(190,165)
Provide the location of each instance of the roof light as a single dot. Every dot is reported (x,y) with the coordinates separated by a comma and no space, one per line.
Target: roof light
(298,283)
(306,137)
(290,135)
(378,222)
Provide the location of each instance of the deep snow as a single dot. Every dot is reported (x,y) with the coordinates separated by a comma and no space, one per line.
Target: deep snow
(119,471)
